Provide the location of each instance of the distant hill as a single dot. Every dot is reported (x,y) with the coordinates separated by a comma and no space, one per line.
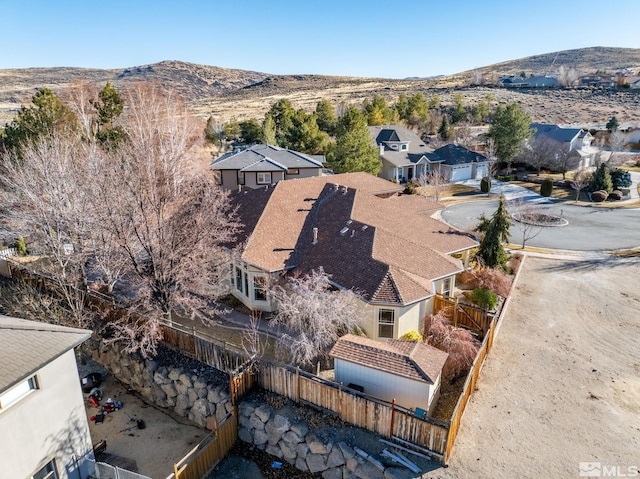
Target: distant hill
(225,92)
(583,60)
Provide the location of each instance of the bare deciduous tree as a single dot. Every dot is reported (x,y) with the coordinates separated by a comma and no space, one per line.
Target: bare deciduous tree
(529,218)
(581,180)
(433,182)
(540,152)
(146,211)
(314,316)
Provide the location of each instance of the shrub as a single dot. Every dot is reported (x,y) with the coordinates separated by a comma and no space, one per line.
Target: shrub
(616,195)
(484,298)
(21,246)
(410,189)
(601,180)
(620,178)
(412,336)
(599,196)
(485,184)
(507,178)
(546,188)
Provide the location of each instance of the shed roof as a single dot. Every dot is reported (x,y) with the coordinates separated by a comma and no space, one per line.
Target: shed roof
(410,359)
(266,158)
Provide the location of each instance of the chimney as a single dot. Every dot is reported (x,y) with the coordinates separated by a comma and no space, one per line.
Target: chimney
(266,187)
(315,236)
(344,190)
(240,188)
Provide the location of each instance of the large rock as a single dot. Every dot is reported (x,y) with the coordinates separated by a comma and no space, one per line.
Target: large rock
(301,464)
(169,390)
(192,395)
(316,463)
(199,383)
(256,423)
(184,379)
(274,450)
(335,458)
(182,404)
(260,437)
(181,387)
(316,445)
(263,412)
(245,435)
(288,452)
(174,374)
(302,449)
(300,428)
(291,437)
(276,428)
(202,393)
(214,396)
(347,452)
(244,408)
(160,378)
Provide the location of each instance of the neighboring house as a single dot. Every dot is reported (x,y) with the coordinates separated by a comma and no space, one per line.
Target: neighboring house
(511,81)
(597,80)
(45,433)
(403,154)
(386,248)
(573,141)
(458,163)
(407,371)
(541,82)
(260,165)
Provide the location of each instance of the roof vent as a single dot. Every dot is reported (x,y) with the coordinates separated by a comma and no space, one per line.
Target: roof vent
(349,222)
(266,187)
(344,190)
(315,236)
(353,233)
(364,227)
(344,230)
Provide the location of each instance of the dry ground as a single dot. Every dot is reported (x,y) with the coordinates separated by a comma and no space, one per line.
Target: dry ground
(561,384)
(166,439)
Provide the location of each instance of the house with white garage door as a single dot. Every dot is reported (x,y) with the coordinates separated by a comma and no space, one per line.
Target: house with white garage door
(458,163)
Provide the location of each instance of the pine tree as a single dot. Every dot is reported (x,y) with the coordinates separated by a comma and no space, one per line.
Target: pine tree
(496,232)
(269,131)
(509,129)
(445,128)
(601,179)
(353,150)
(326,116)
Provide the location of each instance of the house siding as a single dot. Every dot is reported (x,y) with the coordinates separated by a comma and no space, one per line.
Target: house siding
(49,423)
(407,393)
(304,173)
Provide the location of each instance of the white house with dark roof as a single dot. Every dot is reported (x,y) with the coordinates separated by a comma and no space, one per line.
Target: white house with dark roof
(407,371)
(387,249)
(43,423)
(573,141)
(404,155)
(260,165)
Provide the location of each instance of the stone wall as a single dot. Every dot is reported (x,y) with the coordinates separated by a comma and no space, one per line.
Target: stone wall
(287,437)
(196,393)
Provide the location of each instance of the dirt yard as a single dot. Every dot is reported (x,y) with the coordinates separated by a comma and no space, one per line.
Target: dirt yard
(561,385)
(151,451)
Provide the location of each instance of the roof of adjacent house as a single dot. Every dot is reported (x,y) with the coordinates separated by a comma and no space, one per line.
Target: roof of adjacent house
(26,346)
(387,250)
(555,132)
(452,155)
(391,134)
(266,158)
(410,359)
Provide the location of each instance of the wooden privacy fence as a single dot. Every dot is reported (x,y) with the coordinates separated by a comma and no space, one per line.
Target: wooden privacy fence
(201,460)
(463,314)
(362,411)
(207,349)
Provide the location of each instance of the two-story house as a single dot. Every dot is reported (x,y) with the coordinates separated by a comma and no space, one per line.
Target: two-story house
(43,423)
(260,165)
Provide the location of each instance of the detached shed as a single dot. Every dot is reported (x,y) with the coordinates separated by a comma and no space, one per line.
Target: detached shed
(408,371)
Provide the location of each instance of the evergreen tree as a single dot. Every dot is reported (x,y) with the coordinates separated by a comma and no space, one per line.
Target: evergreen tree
(214,131)
(418,111)
(445,128)
(251,131)
(509,129)
(496,232)
(459,113)
(402,107)
(326,116)
(47,115)
(282,113)
(109,107)
(269,131)
(377,111)
(612,125)
(232,129)
(601,179)
(304,134)
(353,150)
(480,112)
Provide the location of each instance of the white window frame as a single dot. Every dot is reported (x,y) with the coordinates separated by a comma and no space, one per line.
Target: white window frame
(259,286)
(386,323)
(18,392)
(263,178)
(446,287)
(49,469)
(404,147)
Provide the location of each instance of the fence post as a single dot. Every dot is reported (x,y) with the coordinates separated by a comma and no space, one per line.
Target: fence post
(393,409)
(298,384)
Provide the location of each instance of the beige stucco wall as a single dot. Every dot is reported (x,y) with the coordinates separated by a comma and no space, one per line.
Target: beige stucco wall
(305,173)
(251,178)
(48,423)
(247,297)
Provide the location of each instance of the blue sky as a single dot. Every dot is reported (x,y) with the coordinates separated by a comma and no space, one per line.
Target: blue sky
(393,39)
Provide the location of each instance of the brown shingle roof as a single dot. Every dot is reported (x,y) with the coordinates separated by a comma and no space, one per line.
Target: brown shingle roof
(388,250)
(26,346)
(409,359)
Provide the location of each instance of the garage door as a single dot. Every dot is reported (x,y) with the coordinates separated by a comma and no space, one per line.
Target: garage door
(460,173)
